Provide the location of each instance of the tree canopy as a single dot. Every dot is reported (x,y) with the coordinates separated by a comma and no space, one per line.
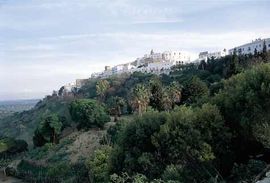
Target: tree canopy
(88,113)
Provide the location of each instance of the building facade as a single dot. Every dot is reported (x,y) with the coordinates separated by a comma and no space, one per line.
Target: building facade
(153,63)
(176,56)
(250,48)
(207,55)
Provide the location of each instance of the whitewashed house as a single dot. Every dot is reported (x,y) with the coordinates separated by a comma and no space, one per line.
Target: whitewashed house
(250,48)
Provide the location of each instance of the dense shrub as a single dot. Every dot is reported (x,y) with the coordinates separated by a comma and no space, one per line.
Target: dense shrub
(150,143)
(245,105)
(10,146)
(48,130)
(61,172)
(88,113)
(98,165)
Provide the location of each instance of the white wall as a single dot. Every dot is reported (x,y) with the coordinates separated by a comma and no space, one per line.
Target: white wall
(250,47)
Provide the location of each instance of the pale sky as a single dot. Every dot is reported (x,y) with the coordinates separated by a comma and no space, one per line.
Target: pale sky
(45,44)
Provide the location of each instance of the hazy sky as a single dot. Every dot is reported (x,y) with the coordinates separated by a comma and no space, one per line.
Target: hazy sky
(47,43)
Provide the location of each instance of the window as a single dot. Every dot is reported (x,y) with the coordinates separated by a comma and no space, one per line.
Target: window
(248,48)
(269,45)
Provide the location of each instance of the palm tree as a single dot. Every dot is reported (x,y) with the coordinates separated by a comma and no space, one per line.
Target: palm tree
(140,98)
(156,94)
(175,93)
(120,102)
(167,101)
(116,104)
(101,88)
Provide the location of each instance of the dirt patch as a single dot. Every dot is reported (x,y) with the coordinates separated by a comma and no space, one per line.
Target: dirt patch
(85,144)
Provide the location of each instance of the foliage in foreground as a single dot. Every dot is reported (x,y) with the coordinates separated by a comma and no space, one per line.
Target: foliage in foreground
(224,139)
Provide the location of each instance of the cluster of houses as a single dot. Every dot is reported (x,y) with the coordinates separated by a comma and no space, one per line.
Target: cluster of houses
(161,63)
(152,63)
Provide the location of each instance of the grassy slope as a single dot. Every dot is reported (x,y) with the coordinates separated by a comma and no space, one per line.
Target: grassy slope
(22,125)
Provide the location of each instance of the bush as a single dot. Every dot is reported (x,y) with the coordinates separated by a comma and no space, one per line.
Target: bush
(133,143)
(244,103)
(10,146)
(98,165)
(88,113)
(192,138)
(114,130)
(247,172)
(62,172)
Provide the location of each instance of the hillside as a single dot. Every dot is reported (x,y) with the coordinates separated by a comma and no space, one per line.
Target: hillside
(22,125)
(7,108)
(205,122)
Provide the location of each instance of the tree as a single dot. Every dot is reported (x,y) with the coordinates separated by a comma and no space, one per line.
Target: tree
(244,103)
(61,91)
(202,65)
(175,94)
(156,94)
(133,143)
(10,146)
(38,139)
(264,52)
(189,138)
(101,88)
(140,98)
(48,130)
(116,105)
(167,100)
(233,65)
(256,52)
(194,90)
(88,113)
(98,165)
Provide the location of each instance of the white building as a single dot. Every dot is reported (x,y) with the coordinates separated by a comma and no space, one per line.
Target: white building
(69,87)
(154,63)
(207,55)
(95,74)
(250,48)
(106,74)
(128,67)
(153,56)
(159,67)
(176,56)
(117,69)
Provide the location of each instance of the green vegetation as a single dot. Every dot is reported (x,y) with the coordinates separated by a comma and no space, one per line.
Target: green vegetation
(206,122)
(49,130)
(56,172)
(98,164)
(88,113)
(156,140)
(23,125)
(116,106)
(139,99)
(10,146)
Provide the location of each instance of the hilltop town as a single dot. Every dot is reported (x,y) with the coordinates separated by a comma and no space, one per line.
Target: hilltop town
(127,122)
(161,63)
